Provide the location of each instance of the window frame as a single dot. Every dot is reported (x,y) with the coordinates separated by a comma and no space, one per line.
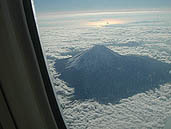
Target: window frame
(31,23)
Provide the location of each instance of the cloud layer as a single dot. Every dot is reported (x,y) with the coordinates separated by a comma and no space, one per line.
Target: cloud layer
(147,34)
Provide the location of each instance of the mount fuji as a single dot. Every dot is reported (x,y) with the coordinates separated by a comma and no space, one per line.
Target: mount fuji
(106,76)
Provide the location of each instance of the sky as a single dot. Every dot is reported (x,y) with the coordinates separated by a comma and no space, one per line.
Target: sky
(87,5)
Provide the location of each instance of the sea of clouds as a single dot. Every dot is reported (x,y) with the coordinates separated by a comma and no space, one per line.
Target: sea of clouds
(146,34)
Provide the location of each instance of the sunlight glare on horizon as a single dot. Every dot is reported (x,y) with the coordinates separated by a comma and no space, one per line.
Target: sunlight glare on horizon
(106,22)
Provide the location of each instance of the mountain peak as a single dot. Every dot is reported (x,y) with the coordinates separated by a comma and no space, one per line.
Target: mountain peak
(92,58)
(99,47)
(101,50)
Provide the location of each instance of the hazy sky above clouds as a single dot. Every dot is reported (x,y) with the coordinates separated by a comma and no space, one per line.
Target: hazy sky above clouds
(85,5)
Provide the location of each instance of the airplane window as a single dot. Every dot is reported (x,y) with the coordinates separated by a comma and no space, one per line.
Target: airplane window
(110,61)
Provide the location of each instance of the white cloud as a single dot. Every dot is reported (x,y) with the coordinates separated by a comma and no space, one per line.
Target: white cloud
(145,110)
